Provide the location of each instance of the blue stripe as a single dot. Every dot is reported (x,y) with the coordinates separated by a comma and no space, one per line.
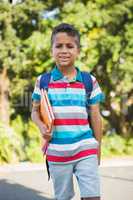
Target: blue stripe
(68,103)
(57,91)
(66,96)
(98,98)
(36,96)
(71,140)
(74,128)
(69,134)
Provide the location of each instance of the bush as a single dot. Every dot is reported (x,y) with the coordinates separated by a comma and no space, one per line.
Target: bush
(10,147)
(33,148)
(116,145)
(20,142)
(33,152)
(129,147)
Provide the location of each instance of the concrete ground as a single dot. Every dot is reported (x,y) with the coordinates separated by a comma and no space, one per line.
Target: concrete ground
(28,181)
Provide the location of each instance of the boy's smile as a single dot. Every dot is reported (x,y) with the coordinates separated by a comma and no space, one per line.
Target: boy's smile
(64,49)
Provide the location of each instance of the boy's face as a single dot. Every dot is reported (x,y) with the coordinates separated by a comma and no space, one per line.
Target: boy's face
(64,49)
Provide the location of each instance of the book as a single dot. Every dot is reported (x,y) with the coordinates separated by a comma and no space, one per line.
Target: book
(46,113)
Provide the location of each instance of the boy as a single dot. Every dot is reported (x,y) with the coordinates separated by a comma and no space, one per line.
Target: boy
(74,147)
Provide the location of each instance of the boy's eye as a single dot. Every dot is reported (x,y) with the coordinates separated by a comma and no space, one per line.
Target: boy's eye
(58,46)
(67,46)
(70,46)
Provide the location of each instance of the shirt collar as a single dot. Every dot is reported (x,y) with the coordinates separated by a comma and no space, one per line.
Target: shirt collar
(57,74)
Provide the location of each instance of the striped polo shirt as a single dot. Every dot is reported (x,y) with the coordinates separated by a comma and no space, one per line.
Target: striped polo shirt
(72,137)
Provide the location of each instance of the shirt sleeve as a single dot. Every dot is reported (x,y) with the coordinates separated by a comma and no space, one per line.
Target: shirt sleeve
(36,95)
(97,95)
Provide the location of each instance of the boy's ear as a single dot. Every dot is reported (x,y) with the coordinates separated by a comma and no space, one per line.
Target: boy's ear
(78,50)
(51,53)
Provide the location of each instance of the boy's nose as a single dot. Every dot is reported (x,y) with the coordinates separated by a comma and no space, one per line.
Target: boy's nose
(64,49)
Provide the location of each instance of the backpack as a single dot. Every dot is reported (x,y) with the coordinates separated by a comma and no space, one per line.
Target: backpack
(87,81)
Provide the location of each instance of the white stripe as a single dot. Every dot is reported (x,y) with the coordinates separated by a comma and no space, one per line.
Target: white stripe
(69,109)
(95,92)
(73,115)
(37,91)
(65,147)
(36,88)
(93,78)
(39,77)
(72,128)
(63,90)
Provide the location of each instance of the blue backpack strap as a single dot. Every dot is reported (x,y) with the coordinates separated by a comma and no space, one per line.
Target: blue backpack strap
(88,83)
(44,80)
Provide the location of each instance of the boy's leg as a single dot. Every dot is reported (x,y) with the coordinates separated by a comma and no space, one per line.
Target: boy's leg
(62,178)
(86,172)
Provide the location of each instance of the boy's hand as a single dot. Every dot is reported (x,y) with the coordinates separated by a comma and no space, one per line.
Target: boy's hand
(45,131)
(96,124)
(99,155)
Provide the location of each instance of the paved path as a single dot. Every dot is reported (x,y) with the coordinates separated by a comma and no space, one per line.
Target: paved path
(28,181)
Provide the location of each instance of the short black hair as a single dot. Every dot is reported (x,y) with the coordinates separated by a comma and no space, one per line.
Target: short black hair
(66,28)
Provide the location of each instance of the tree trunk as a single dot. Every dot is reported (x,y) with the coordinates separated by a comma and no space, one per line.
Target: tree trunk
(4,100)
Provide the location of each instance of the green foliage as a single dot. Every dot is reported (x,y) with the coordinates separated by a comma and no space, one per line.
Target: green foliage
(129,147)
(106,49)
(21,142)
(106,31)
(10,145)
(33,147)
(116,145)
(18,126)
(33,152)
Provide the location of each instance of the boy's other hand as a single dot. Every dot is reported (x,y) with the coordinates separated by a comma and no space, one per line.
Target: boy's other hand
(45,131)
(99,155)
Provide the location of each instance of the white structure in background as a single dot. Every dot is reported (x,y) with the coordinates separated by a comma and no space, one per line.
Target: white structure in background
(14,1)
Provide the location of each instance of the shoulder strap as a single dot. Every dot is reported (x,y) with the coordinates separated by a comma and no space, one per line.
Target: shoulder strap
(44,80)
(87,80)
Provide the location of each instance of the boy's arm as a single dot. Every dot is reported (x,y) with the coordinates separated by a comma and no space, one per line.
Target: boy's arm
(96,123)
(36,118)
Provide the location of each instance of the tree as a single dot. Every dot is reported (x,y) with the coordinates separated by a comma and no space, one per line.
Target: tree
(107,50)
(17,23)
